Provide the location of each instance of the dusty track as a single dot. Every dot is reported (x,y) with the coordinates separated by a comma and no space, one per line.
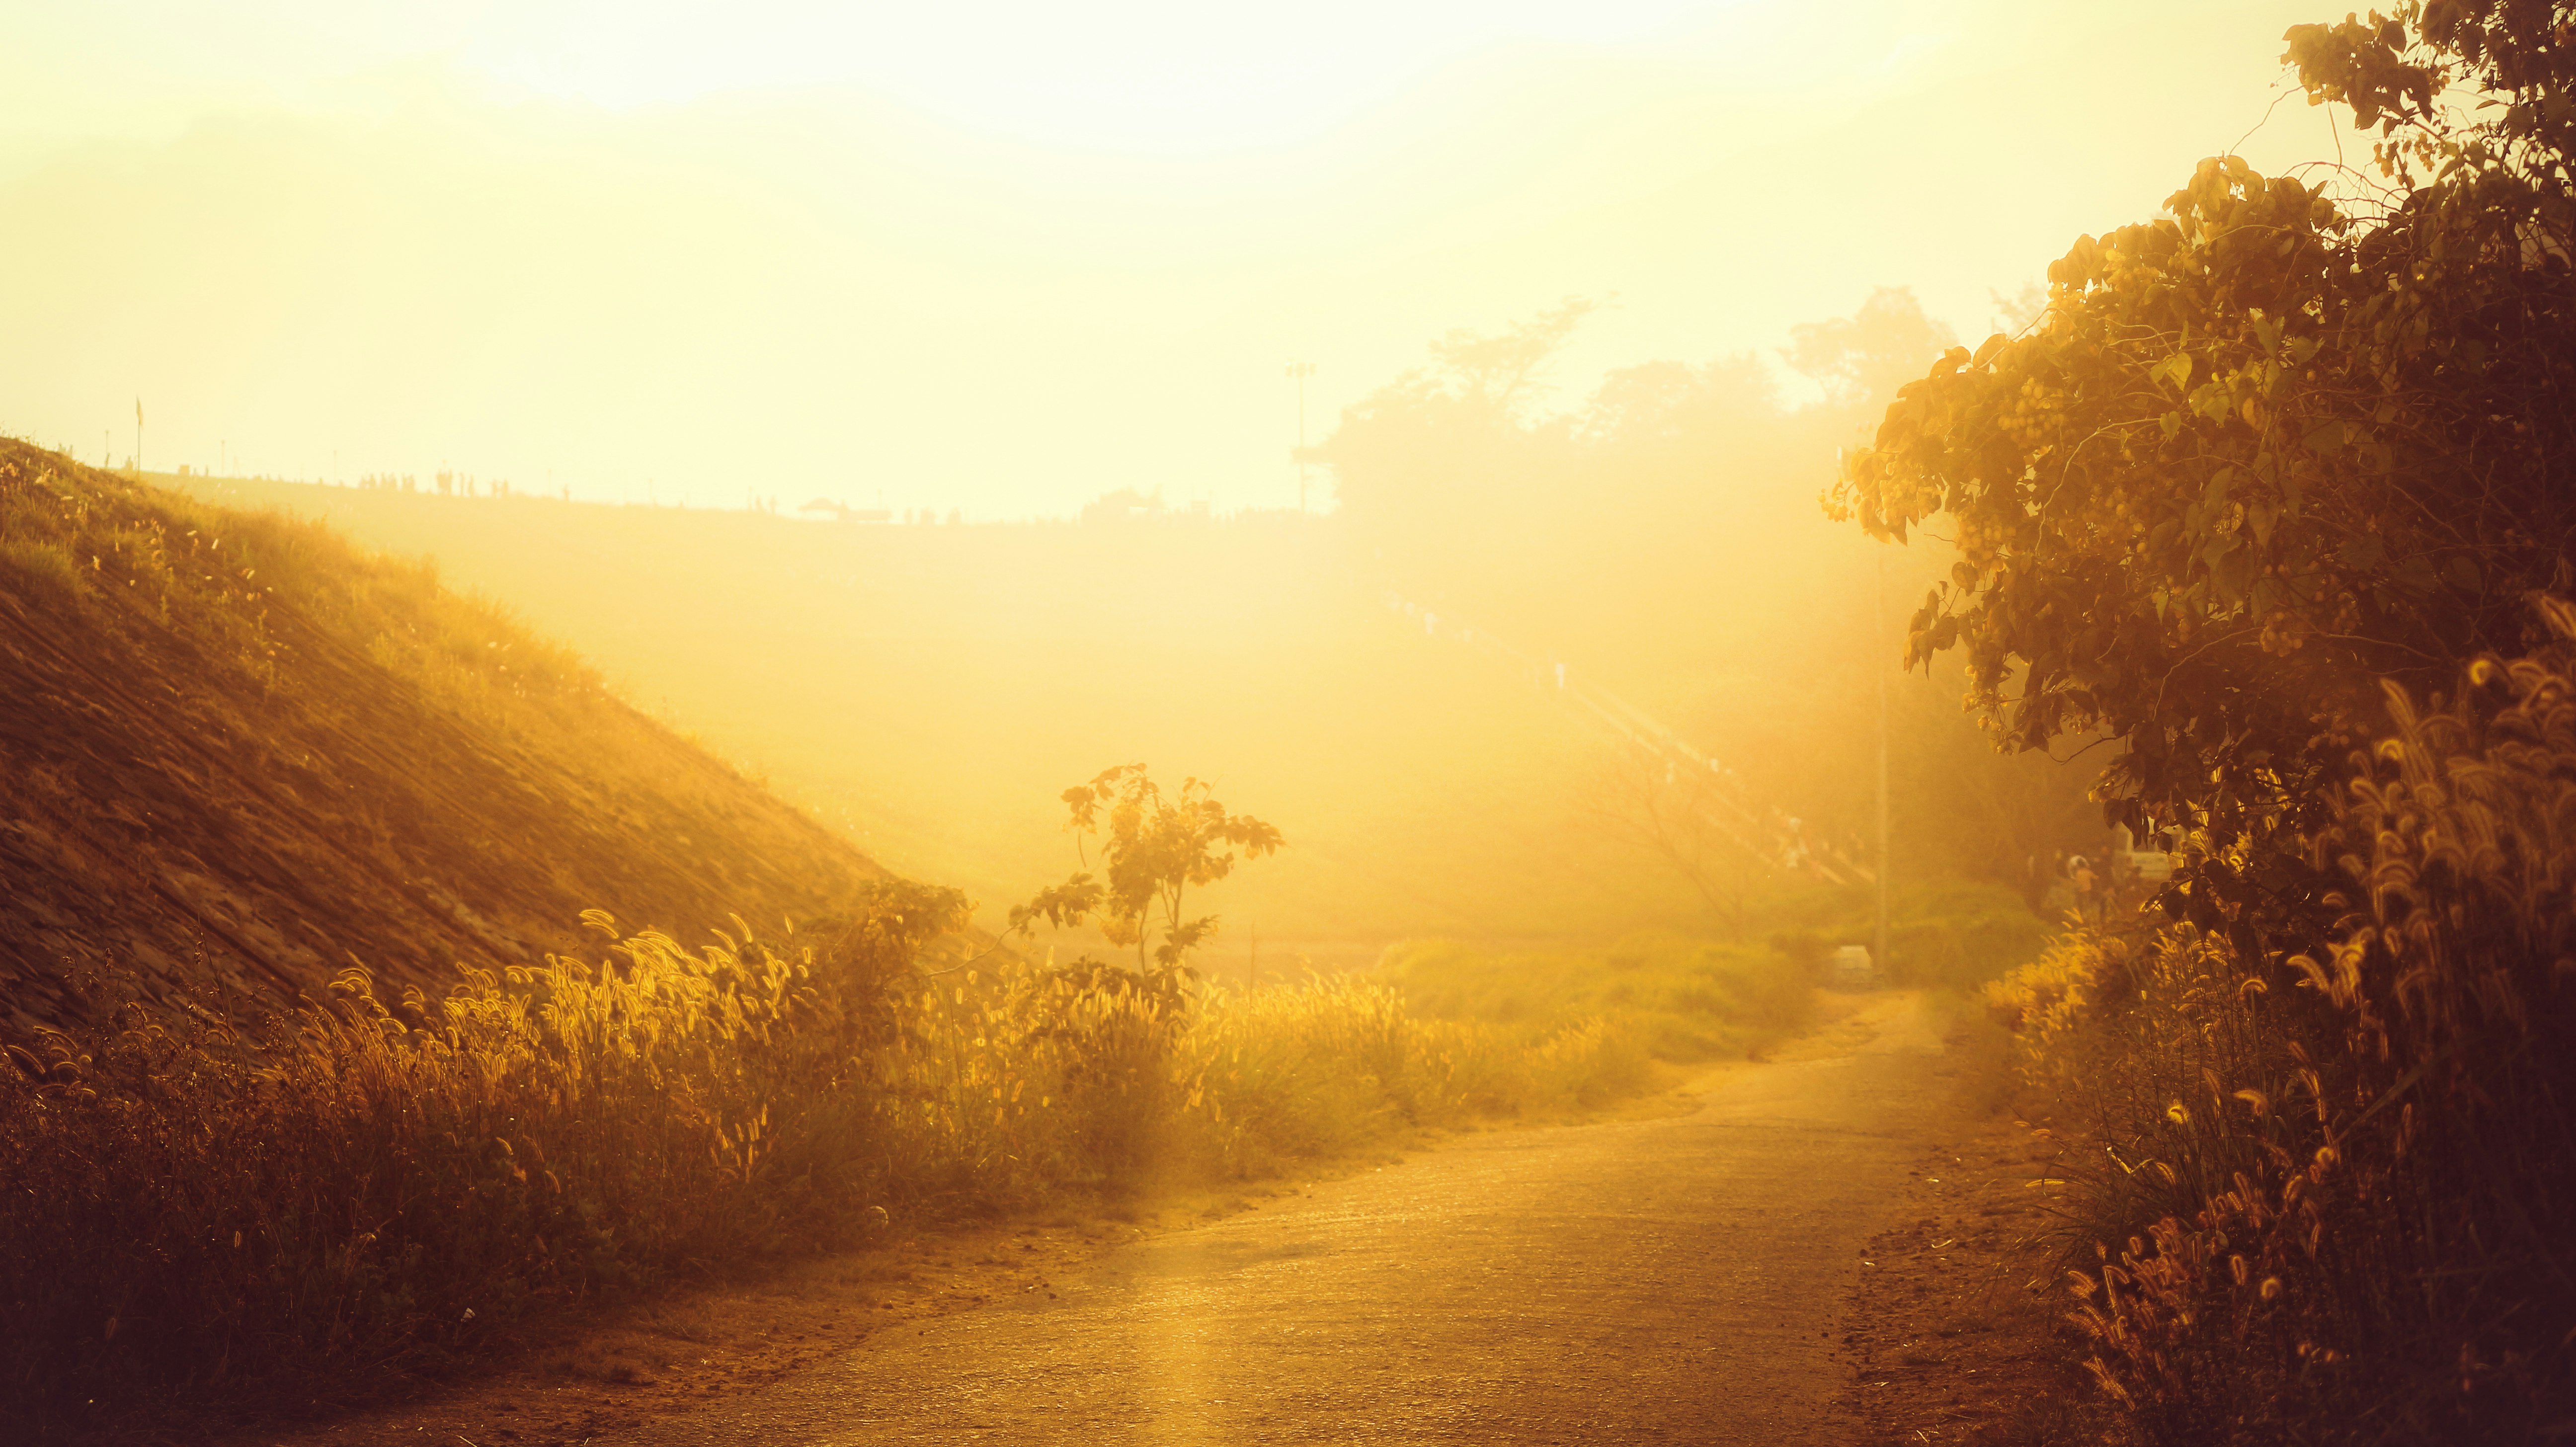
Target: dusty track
(1663,1280)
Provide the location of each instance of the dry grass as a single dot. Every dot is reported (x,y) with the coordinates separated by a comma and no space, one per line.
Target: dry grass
(2336,1175)
(375,1186)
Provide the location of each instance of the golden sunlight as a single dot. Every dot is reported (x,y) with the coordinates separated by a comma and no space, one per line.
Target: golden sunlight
(1632,722)
(1004,259)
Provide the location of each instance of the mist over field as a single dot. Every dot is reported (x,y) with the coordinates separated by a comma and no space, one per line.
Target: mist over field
(1384,679)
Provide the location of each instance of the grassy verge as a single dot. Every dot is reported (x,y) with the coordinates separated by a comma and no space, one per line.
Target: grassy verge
(1687,999)
(1680,1000)
(377,1186)
(1951,936)
(241,753)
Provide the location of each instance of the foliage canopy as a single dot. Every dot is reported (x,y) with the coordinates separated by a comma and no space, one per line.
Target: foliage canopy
(2289,440)
(2266,473)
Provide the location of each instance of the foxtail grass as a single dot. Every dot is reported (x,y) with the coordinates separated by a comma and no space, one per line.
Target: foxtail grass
(196,1211)
(2327,1188)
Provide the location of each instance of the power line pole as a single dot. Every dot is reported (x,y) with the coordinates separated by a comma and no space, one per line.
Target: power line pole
(1878,662)
(1300,371)
(138,437)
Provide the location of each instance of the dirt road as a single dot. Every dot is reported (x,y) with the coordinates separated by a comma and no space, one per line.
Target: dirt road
(1663,1280)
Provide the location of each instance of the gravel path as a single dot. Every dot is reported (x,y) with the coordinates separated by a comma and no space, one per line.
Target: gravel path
(1670,1280)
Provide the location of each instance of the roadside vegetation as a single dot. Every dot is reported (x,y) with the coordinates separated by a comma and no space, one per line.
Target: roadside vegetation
(1677,999)
(335,1180)
(371,1184)
(2275,494)
(1686,998)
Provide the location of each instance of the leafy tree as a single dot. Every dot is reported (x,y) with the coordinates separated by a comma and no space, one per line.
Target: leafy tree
(1861,358)
(1442,469)
(2278,446)
(2266,472)
(1154,848)
(1660,536)
(1501,372)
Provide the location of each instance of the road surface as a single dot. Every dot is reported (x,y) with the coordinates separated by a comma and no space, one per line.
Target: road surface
(1672,1280)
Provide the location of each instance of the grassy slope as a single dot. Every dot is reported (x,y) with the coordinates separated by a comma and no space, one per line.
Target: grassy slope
(932,689)
(242,753)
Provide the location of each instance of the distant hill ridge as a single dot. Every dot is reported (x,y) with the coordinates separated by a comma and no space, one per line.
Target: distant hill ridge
(238,754)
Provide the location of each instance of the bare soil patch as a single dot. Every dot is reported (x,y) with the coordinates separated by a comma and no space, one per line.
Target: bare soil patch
(1956,1329)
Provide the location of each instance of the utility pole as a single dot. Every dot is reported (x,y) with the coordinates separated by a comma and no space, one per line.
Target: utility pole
(138,437)
(1300,371)
(1878,664)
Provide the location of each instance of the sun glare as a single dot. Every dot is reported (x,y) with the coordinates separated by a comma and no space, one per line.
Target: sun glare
(1123,219)
(1166,721)
(1143,79)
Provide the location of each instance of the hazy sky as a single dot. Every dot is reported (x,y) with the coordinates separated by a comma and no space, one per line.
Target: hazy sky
(1003,257)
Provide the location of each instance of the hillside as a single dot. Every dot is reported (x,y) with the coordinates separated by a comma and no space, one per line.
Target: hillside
(1423,788)
(241,754)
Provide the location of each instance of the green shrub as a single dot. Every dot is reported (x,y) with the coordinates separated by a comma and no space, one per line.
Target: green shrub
(1948,935)
(1965,951)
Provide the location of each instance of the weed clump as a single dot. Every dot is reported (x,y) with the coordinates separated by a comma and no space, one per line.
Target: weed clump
(47,568)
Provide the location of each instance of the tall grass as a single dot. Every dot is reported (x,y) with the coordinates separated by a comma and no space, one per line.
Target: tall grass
(378,1183)
(2335,1187)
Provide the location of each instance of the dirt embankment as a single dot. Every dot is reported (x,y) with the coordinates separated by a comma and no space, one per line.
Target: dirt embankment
(241,755)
